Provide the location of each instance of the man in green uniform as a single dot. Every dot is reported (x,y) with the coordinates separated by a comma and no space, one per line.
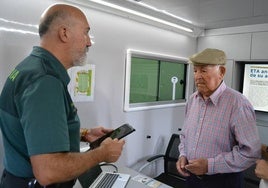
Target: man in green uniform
(38,120)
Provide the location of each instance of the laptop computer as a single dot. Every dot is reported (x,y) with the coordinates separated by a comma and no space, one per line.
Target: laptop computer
(96,178)
(111,180)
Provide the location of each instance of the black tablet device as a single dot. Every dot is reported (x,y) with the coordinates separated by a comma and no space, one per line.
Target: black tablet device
(119,133)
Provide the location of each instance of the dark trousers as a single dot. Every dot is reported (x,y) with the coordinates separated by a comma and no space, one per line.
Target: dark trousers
(228,180)
(8,180)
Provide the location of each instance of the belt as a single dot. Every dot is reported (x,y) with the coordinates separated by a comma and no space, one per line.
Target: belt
(224,180)
(215,176)
(205,177)
(34,184)
(10,180)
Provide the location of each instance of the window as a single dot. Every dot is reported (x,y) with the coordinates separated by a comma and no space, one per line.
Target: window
(154,80)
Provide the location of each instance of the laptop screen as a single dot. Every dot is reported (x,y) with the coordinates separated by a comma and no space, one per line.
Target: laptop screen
(89,176)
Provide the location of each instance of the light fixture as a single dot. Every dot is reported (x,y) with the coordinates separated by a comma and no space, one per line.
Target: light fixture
(136,13)
(23,28)
(17,31)
(18,23)
(159,10)
(17,27)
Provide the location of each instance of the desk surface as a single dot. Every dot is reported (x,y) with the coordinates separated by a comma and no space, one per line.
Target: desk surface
(132,183)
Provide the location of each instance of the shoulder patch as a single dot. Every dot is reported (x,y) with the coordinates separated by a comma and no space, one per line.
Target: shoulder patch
(13,75)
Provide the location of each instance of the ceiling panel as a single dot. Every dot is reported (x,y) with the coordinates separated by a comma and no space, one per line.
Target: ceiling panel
(260,8)
(216,11)
(210,14)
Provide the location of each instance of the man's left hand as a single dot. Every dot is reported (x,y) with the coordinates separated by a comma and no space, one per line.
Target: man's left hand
(95,133)
(197,166)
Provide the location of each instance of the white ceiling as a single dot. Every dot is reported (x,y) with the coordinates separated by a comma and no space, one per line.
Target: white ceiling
(209,14)
(204,14)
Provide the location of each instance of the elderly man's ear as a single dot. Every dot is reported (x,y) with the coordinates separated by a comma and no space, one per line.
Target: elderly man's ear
(222,70)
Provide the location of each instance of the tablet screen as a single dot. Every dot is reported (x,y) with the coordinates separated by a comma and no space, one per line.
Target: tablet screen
(119,133)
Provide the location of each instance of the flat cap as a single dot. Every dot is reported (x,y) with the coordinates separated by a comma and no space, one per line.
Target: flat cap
(209,56)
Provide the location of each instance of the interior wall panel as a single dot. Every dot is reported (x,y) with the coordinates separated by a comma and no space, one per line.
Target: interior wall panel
(113,35)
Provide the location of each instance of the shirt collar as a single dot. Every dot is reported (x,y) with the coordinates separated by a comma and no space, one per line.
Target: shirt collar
(53,63)
(216,94)
(214,97)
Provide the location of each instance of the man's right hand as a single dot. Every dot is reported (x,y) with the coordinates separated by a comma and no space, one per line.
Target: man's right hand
(181,166)
(111,149)
(261,169)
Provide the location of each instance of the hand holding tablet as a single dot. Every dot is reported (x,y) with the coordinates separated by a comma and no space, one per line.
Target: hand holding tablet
(119,133)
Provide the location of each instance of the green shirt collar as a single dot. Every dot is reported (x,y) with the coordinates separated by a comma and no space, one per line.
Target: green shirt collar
(52,62)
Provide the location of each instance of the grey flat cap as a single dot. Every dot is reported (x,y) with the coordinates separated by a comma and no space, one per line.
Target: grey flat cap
(209,56)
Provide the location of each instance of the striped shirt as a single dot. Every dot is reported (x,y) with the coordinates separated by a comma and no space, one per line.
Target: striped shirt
(221,129)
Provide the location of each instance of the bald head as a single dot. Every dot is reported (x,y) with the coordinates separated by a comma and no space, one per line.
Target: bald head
(64,32)
(56,15)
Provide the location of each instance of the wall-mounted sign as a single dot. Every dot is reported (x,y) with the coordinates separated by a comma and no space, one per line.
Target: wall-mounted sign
(81,86)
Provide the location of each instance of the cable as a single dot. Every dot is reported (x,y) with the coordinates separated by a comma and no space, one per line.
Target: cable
(110,164)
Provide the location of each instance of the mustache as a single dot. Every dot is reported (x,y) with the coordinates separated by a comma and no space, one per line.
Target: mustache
(86,49)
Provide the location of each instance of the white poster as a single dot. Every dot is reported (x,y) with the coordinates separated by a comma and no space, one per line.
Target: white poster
(255,86)
(81,86)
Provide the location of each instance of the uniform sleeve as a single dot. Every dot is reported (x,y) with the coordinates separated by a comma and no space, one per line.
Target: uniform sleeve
(43,116)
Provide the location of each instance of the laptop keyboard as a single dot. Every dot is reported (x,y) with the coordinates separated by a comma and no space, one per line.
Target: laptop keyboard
(107,181)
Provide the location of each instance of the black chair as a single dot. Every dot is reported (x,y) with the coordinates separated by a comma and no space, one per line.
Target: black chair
(170,176)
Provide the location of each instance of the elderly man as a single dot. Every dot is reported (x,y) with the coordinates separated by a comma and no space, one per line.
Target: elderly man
(219,138)
(39,122)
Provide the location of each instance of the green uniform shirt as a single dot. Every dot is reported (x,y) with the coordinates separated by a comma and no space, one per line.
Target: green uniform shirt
(37,115)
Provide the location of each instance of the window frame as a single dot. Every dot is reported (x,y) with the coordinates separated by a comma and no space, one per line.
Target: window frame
(157,104)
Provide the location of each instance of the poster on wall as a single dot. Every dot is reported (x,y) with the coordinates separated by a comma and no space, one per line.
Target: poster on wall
(255,86)
(81,86)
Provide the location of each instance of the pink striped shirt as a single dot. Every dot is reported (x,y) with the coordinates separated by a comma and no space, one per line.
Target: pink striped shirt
(222,129)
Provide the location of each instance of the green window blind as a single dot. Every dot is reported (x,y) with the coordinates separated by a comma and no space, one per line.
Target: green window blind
(154,80)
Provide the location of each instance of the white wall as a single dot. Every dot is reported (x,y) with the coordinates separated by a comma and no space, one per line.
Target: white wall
(113,35)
